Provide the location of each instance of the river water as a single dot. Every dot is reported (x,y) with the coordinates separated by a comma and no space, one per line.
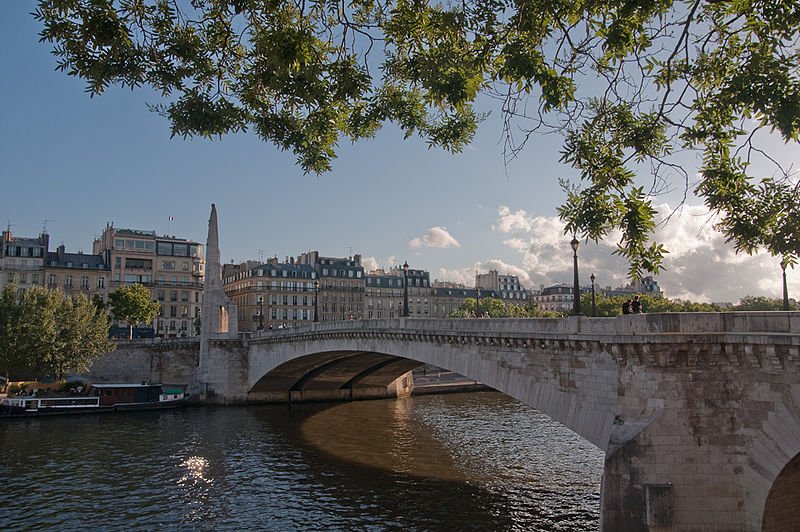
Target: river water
(479,461)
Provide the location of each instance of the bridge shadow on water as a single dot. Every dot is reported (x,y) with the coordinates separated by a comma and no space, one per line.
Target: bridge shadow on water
(381,464)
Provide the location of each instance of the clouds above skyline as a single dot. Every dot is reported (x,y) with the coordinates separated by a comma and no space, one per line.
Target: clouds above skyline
(435,237)
(700,265)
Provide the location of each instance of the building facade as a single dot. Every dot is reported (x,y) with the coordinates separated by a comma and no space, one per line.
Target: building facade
(383,295)
(647,285)
(22,260)
(271,295)
(77,273)
(557,298)
(506,287)
(172,268)
(341,288)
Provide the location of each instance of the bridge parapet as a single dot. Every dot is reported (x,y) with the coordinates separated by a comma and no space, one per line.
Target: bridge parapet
(773,328)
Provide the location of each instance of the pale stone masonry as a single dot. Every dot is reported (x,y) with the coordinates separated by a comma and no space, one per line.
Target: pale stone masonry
(699,414)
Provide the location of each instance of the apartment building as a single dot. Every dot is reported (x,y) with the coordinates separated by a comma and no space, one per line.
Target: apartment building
(22,259)
(383,295)
(341,288)
(507,287)
(77,273)
(172,268)
(558,298)
(271,295)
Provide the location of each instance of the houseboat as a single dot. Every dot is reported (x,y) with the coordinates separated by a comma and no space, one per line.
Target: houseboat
(100,398)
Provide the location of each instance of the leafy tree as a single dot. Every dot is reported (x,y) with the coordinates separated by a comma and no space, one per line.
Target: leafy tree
(762,303)
(9,335)
(497,308)
(82,336)
(45,332)
(629,84)
(38,328)
(609,306)
(131,304)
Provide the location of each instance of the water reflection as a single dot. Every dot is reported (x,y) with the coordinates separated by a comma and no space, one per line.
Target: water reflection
(479,461)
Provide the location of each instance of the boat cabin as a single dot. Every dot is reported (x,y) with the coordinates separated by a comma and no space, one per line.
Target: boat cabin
(112,394)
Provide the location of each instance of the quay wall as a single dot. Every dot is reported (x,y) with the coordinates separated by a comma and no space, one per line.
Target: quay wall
(153,360)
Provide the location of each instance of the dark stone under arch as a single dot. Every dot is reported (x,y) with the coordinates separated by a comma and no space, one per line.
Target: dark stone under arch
(782,509)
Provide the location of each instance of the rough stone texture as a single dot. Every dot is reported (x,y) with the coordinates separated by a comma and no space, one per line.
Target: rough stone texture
(219,320)
(703,403)
(167,362)
(703,409)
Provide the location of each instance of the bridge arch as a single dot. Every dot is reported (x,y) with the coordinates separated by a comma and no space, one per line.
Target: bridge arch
(573,384)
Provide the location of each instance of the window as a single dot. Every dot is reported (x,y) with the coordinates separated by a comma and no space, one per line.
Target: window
(35,278)
(85,282)
(68,281)
(23,278)
(101,282)
(168,265)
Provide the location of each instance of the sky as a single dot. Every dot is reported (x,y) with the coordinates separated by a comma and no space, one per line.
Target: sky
(72,164)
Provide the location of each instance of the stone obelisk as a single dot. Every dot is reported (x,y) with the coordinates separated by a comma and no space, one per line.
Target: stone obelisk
(219,316)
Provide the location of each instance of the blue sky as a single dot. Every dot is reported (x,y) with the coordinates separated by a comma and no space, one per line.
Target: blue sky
(80,163)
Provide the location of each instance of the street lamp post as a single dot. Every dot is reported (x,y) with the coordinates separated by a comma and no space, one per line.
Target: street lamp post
(477,302)
(316,300)
(260,303)
(576,289)
(594,308)
(405,289)
(784,263)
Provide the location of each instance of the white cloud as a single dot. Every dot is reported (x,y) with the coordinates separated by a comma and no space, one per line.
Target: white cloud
(700,265)
(436,237)
(369,263)
(466,276)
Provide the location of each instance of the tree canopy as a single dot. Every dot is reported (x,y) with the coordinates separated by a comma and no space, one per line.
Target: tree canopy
(46,332)
(629,83)
(497,308)
(606,306)
(132,304)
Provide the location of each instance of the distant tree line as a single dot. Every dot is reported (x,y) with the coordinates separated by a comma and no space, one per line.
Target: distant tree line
(606,306)
(609,306)
(496,308)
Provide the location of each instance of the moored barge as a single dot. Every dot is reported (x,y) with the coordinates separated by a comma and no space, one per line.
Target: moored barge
(100,398)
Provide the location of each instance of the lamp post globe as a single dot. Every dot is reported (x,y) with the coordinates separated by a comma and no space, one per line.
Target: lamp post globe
(576,289)
(594,307)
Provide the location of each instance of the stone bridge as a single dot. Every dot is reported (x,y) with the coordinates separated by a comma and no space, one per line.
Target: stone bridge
(698,414)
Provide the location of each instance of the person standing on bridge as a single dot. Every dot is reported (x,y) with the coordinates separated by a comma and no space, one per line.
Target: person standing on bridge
(636,306)
(626,307)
